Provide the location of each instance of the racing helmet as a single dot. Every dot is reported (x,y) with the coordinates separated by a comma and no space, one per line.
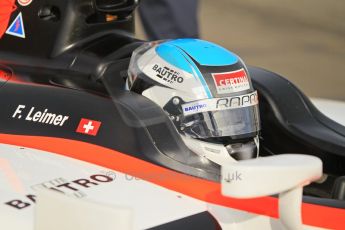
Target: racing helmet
(207,93)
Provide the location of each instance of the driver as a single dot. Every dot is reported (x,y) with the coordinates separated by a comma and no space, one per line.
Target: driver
(207,93)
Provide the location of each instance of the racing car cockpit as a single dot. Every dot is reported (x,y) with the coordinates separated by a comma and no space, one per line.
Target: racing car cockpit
(150,107)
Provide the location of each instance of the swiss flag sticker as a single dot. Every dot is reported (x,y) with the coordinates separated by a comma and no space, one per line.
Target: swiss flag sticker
(88,127)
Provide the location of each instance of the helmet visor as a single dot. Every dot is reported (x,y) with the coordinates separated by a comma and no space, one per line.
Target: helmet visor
(229,121)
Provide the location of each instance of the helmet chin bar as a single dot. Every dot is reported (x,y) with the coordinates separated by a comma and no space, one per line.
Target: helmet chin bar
(220,154)
(244,151)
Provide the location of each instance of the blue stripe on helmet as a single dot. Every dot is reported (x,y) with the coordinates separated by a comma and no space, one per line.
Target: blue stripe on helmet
(200,76)
(204,52)
(178,58)
(174,56)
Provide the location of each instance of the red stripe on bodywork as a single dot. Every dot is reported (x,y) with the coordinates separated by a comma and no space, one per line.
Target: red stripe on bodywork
(315,215)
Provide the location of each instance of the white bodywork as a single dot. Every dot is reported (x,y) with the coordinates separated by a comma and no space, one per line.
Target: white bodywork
(24,171)
(283,174)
